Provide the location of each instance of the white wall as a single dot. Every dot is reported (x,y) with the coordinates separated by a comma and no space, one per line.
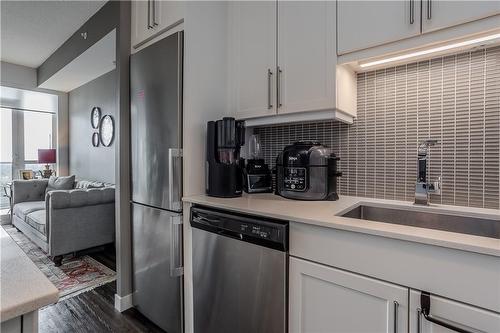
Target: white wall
(23,77)
(205,84)
(17,76)
(205,98)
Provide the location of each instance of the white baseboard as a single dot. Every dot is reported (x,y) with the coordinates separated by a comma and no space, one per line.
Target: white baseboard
(123,303)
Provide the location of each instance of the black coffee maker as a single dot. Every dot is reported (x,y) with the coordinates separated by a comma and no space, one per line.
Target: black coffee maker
(223,166)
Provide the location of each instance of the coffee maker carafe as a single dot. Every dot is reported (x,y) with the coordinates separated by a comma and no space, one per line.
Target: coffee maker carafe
(223,167)
(256,174)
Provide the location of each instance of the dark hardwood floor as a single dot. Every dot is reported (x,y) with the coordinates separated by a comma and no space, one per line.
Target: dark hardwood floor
(106,255)
(92,311)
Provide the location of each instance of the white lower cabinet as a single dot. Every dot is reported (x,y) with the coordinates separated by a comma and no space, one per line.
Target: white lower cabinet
(323,299)
(469,318)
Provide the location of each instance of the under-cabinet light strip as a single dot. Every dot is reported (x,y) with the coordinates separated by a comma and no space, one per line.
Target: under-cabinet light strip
(430,51)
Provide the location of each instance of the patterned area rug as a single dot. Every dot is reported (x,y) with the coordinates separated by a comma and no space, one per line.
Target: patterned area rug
(74,276)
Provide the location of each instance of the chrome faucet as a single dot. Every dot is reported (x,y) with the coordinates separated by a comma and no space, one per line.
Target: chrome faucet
(422,187)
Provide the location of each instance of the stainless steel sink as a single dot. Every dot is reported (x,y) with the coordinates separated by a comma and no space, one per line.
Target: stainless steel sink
(430,220)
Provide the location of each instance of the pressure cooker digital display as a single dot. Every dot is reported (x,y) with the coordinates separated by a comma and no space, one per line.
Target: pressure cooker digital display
(295,179)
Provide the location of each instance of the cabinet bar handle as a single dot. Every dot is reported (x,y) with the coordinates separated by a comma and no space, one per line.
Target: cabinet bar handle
(149,15)
(425,305)
(154,13)
(269,90)
(278,84)
(419,320)
(396,307)
(176,246)
(175,200)
(429,9)
(412,11)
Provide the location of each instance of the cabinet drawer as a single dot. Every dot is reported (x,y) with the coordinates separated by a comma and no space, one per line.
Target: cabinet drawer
(461,275)
(452,312)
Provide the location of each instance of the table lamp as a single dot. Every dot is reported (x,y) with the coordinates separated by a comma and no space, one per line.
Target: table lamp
(47,156)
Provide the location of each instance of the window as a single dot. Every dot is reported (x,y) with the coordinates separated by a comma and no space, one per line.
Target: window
(5,153)
(6,135)
(37,133)
(23,131)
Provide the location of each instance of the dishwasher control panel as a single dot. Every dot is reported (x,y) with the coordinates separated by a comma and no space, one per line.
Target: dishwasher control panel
(243,227)
(260,231)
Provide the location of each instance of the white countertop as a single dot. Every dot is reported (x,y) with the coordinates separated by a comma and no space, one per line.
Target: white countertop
(324,213)
(23,287)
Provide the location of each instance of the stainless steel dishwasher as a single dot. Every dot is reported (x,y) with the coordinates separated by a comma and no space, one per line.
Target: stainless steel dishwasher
(240,272)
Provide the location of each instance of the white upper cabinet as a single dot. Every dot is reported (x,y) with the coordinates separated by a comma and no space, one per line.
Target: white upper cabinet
(439,14)
(169,13)
(142,26)
(151,18)
(306,55)
(325,299)
(363,24)
(252,58)
(282,61)
(453,313)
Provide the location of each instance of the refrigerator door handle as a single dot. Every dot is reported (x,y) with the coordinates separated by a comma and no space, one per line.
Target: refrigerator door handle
(176,246)
(174,178)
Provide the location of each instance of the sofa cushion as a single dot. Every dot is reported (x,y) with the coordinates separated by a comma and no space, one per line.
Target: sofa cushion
(24,208)
(81,197)
(88,184)
(60,183)
(37,220)
(28,190)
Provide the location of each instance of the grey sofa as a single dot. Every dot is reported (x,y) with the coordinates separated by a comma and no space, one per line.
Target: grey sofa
(64,221)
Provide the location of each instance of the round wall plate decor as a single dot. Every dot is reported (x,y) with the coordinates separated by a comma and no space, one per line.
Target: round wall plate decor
(95,139)
(107,130)
(95,117)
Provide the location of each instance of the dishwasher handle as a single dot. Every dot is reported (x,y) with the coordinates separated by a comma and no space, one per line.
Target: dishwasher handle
(205,219)
(211,223)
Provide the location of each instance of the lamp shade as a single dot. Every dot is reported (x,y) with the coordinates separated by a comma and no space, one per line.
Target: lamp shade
(46,156)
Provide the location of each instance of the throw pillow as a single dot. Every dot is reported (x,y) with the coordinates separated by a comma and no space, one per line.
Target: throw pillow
(60,183)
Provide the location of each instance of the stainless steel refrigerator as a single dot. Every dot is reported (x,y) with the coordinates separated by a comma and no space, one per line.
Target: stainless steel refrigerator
(156,139)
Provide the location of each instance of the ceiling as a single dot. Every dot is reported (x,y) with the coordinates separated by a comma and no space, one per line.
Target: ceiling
(32,30)
(97,60)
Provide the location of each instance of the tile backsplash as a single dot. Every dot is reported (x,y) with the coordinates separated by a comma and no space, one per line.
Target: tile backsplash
(454,99)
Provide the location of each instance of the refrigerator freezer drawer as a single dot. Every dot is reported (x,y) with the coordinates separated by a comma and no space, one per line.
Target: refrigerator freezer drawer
(157,266)
(156,123)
